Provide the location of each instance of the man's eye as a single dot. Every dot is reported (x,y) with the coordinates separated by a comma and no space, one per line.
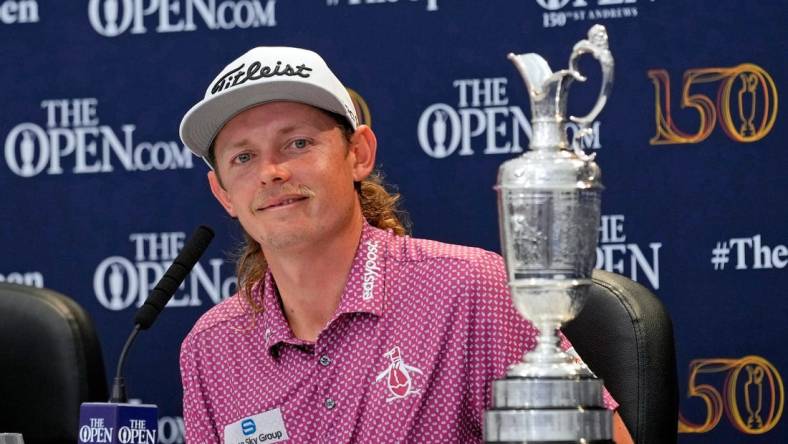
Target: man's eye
(243,158)
(300,144)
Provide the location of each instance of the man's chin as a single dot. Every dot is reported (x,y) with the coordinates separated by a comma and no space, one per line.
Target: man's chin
(283,240)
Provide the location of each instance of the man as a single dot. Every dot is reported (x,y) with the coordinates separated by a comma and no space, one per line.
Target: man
(343,330)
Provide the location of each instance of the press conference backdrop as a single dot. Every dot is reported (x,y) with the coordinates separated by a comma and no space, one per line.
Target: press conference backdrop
(99,193)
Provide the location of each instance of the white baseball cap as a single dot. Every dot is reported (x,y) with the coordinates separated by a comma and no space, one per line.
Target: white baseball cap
(264,74)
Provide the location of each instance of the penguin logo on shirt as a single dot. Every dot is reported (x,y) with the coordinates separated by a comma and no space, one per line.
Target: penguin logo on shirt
(398,376)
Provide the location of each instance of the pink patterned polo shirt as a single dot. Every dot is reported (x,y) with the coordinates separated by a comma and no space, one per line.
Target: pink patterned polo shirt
(421,331)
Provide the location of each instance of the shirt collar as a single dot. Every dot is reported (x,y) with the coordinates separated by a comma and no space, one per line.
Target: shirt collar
(364,290)
(276,327)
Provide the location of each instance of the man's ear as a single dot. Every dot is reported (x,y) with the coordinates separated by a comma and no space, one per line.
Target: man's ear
(220,194)
(364,146)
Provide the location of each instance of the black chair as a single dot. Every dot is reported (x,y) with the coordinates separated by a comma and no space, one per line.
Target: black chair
(625,336)
(50,362)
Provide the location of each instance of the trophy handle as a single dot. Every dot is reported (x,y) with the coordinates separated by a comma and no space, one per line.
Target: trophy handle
(596,45)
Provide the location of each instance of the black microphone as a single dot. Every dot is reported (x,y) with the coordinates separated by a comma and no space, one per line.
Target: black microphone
(173,277)
(159,296)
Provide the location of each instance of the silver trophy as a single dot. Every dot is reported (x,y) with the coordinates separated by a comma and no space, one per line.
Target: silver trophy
(548,203)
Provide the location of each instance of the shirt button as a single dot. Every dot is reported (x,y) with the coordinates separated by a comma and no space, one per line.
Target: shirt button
(330,404)
(325,361)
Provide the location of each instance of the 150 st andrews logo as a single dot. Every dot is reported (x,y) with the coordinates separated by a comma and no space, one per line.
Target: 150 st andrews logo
(74,135)
(111,18)
(581,10)
(746,104)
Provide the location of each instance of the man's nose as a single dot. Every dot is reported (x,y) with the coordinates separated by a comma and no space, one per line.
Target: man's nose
(273,171)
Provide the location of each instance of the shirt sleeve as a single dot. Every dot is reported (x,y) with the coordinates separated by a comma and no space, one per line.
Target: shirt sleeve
(499,336)
(197,413)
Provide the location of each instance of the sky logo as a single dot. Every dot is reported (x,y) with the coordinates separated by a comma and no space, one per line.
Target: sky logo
(248,427)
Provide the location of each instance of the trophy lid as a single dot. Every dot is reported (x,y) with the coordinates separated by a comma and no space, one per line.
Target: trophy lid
(549,163)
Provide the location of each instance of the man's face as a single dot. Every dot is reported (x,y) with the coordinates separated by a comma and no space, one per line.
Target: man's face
(287,174)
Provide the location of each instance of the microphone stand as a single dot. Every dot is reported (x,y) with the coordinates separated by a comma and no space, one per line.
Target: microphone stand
(119,383)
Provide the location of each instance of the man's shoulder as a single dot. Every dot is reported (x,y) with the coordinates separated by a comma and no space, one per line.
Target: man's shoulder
(408,249)
(218,317)
(472,265)
(451,273)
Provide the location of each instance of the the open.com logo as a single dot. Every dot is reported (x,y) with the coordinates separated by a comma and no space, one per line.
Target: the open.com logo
(111,18)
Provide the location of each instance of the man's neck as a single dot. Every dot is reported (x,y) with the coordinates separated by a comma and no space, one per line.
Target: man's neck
(311,280)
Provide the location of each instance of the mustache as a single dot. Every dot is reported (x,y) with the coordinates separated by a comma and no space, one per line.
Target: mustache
(284,190)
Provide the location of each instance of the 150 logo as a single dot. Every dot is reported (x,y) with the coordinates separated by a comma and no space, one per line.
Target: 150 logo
(752,395)
(745,105)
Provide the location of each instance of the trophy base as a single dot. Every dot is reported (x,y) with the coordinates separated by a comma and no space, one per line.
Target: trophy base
(548,410)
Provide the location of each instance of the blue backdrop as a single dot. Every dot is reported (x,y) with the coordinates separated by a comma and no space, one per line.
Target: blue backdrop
(100,193)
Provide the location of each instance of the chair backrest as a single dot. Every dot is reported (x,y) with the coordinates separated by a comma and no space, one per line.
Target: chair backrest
(50,362)
(625,336)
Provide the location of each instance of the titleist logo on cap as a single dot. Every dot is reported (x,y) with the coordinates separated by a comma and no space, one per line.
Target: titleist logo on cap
(237,76)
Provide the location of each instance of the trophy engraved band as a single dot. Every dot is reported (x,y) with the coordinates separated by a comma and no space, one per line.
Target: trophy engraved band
(549,204)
